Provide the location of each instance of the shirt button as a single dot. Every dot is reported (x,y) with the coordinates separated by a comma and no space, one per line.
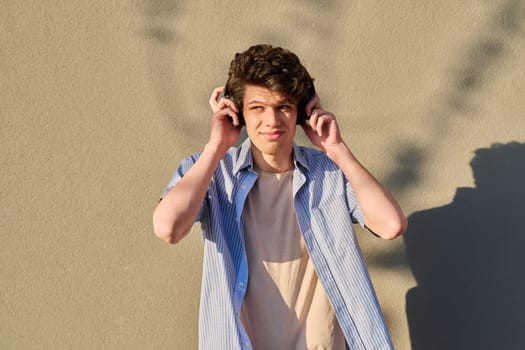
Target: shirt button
(241,284)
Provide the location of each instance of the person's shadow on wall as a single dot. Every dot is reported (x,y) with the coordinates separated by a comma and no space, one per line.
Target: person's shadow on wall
(468,258)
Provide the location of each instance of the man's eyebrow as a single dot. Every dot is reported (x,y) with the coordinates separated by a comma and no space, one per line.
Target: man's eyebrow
(255,102)
(280,102)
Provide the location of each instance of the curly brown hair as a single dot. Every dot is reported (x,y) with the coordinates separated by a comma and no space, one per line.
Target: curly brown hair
(277,69)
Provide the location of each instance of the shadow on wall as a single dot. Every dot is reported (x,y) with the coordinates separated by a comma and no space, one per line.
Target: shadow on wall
(483,54)
(157,29)
(468,261)
(159,15)
(480,59)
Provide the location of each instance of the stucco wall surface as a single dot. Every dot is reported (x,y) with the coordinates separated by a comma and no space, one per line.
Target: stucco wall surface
(100,100)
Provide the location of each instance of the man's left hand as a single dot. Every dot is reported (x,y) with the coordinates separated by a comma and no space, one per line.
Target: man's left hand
(321,128)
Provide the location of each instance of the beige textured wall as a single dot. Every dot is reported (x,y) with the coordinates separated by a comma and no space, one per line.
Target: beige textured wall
(100,100)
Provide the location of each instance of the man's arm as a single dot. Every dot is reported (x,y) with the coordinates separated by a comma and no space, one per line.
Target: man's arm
(383,215)
(175,213)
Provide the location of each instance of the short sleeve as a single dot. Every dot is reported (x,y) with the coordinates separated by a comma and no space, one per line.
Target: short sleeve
(179,173)
(356,213)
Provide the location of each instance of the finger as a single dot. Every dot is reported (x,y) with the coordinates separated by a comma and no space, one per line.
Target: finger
(217,92)
(234,117)
(323,123)
(314,116)
(231,115)
(227,103)
(215,97)
(314,102)
(319,127)
(307,130)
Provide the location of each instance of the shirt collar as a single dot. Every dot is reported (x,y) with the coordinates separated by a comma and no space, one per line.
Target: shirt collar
(245,159)
(299,157)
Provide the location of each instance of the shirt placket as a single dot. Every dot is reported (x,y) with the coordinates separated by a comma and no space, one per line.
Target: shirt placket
(241,280)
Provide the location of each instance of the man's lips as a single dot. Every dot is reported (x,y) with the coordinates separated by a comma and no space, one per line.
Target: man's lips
(272,135)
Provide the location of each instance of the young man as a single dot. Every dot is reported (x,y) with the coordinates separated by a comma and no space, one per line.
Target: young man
(282,268)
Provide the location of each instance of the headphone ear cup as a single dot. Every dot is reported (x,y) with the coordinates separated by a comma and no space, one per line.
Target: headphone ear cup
(301,113)
(226,94)
(241,117)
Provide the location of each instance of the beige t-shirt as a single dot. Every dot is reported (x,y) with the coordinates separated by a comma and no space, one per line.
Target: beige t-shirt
(285,306)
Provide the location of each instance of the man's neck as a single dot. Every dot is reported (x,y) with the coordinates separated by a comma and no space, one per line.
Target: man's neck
(278,163)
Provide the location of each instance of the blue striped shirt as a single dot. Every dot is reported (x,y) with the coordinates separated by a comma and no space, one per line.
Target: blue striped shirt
(326,207)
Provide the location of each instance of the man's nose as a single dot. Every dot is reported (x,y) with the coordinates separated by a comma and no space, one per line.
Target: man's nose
(272,116)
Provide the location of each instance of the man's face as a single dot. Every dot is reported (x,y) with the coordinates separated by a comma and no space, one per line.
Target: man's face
(270,121)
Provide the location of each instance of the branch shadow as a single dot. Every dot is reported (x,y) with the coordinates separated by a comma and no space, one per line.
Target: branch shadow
(157,30)
(466,257)
(405,174)
(157,14)
(483,54)
(470,75)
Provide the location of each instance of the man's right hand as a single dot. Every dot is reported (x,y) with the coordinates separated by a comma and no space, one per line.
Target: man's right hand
(225,127)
